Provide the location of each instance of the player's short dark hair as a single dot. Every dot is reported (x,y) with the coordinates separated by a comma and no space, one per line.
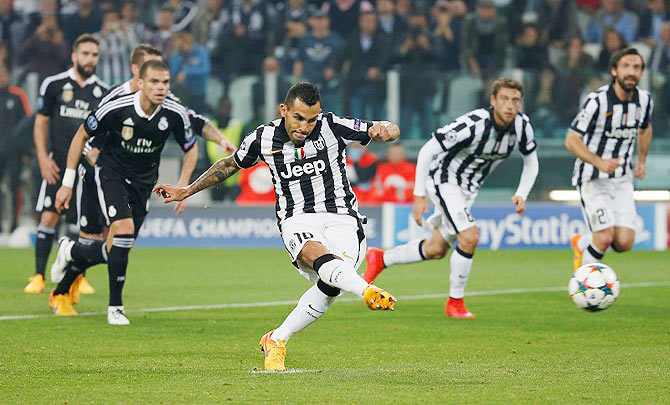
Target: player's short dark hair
(307,92)
(506,82)
(153,64)
(141,51)
(84,38)
(614,60)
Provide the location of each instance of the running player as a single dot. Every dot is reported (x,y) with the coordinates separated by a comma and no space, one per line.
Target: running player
(65,101)
(451,168)
(602,137)
(317,212)
(133,130)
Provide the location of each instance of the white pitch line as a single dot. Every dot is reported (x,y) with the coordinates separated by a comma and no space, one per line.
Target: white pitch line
(351,299)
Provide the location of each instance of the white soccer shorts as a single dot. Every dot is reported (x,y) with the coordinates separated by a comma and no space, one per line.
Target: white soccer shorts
(340,234)
(452,210)
(607,203)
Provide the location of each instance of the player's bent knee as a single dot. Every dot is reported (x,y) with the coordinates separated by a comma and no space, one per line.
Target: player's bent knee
(49,219)
(435,250)
(622,245)
(469,238)
(123,226)
(321,260)
(327,289)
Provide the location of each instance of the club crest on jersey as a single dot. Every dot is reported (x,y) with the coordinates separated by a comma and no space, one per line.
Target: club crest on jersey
(320,143)
(68,93)
(451,136)
(97,92)
(127,131)
(511,140)
(10,104)
(163,124)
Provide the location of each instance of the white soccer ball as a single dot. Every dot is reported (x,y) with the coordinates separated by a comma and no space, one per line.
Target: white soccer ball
(594,287)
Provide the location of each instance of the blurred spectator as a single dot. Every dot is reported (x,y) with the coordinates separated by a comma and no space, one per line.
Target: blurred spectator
(161,36)
(10,26)
(14,107)
(256,186)
(390,23)
(190,66)
(612,42)
(416,60)
(87,19)
(289,30)
(651,20)
(233,129)
(270,66)
(130,24)
(361,170)
(319,54)
(395,177)
(573,73)
(45,51)
(448,17)
(659,61)
(530,53)
(344,14)
(47,8)
(612,16)
(210,23)
(484,40)
(365,60)
(5,58)
(403,8)
(184,14)
(590,6)
(251,15)
(116,45)
(558,21)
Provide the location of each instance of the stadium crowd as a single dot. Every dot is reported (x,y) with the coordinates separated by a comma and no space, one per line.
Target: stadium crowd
(561,48)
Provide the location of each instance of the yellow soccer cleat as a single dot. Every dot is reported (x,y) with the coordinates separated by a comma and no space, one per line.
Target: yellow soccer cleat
(36,285)
(275,353)
(577,257)
(75,289)
(62,305)
(85,287)
(376,298)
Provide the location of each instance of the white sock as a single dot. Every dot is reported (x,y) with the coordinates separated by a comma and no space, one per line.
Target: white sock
(339,274)
(410,252)
(311,306)
(592,255)
(460,263)
(584,241)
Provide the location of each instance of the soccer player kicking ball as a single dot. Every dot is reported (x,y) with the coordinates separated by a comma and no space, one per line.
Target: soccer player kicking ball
(316,209)
(602,137)
(451,168)
(133,130)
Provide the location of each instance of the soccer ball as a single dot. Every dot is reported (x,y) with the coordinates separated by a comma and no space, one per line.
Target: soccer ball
(594,287)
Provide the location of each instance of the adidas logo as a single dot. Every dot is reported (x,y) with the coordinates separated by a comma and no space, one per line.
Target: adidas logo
(129,121)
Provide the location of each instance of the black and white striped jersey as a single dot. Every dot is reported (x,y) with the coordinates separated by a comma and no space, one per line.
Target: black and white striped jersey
(609,128)
(312,177)
(198,121)
(131,141)
(472,146)
(67,105)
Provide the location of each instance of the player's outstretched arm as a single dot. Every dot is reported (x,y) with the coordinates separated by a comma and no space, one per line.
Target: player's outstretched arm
(384,131)
(64,194)
(216,174)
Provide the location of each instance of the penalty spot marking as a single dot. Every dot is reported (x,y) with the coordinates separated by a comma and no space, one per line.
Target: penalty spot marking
(349,299)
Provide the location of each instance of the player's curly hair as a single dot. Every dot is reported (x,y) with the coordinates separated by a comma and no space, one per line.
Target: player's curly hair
(507,83)
(305,91)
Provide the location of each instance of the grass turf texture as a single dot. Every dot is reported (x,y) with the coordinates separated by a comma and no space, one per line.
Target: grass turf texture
(527,347)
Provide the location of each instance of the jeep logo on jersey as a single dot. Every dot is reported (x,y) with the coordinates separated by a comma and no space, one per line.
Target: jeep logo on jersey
(314,168)
(622,133)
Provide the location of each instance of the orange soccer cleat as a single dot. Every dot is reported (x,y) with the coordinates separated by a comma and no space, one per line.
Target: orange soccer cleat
(455,308)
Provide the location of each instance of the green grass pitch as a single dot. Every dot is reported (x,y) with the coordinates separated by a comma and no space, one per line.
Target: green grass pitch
(523,347)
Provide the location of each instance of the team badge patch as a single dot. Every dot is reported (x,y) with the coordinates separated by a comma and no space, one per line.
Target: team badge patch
(68,93)
(292,244)
(511,140)
(299,153)
(92,122)
(357,124)
(111,211)
(127,133)
(163,124)
(40,103)
(97,92)
(451,136)
(320,144)
(47,201)
(83,221)
(10,104)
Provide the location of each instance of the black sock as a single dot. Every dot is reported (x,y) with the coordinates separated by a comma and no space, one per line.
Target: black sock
(117,265)
(97,254)
(71,274)
(89,253)
(43,244)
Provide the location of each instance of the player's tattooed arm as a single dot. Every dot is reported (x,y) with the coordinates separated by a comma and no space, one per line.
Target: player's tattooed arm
(216,174)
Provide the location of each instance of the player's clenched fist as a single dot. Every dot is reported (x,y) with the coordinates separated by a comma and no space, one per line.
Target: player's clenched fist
(384,131)
(608,165)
